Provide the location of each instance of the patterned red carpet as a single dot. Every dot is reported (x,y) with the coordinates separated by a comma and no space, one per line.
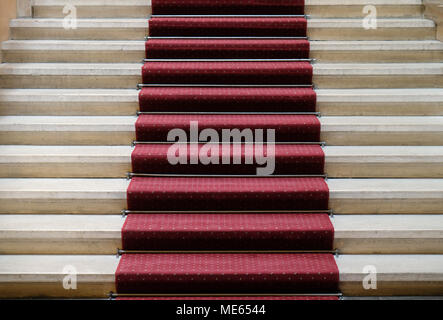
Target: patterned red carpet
(226,193)
(289,160)
(230,7)
(199,211)
(227,27)
(177,99)
(251,72)
(165,231)
(225,273)
(288,128)
(227,48)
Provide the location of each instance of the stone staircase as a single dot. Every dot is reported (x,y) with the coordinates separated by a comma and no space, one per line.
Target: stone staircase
(68,103)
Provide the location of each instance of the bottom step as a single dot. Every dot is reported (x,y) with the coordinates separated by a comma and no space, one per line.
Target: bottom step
(209,298)
(43,275)
(226,273)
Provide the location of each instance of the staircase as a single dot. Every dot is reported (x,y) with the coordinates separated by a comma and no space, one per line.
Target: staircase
(68,113)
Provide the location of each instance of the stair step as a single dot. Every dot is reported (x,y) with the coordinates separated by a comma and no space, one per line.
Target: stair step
(137,29)
(42,275)
(226,273)
(142,8)
(96,234)
(120,130)
(103,102)
(20,161)
(108,196)
(127,76)
(68,51)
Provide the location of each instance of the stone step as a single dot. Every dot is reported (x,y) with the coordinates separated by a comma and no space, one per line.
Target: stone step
(108,196)
(42,275)
(120,130)
(97,234)
(137,29)
(68,51)
(142,8)
(128,75)
(18,161)
(102,102)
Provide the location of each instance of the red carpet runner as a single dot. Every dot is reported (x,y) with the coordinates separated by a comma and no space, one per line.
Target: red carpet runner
(262,72)
(288,128)
(175,99)
(249,194)
(228,7)
(228,232)
(227,49)
(209,213)
(289,160)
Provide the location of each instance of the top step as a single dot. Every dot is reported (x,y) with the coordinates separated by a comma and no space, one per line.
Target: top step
(142,8)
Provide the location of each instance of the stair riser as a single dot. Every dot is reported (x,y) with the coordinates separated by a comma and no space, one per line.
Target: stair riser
(54,289)
(393,288)
(117,56)
(78,34)
(360,82)
(84,138)
(323,11)
(75,108)
(376,56)
(86,245)
(75,56)
(68,206)
(134,33)
(375,109)
(70,81)
(389,246)
(102,290)
(66,170)
(43,276)
(371,34)
(36,81)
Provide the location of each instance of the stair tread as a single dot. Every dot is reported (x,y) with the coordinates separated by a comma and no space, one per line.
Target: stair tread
(131,95)
(98,268)
(134,45)
(353,234)
(118,123)
(133,69)
(139,8)
(357,226)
